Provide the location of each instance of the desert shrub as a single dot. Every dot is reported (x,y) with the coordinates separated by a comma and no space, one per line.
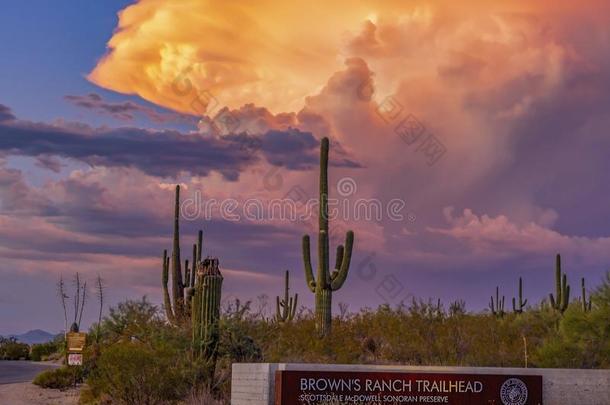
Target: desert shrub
(140,359)
(601,296)
(424,334)
(11,349)
(235,343)
(582,341)
(60,378)
(135,373)
(131,320)
(42,351)
(204,396)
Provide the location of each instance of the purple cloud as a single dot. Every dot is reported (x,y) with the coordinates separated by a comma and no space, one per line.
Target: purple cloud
(165,153)
(126,110)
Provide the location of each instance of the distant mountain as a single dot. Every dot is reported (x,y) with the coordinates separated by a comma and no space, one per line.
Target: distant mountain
(34,336)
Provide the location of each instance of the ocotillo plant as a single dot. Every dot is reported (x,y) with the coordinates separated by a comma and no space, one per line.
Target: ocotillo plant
(325,283)
(560,301)
(78,301)
(178,308)
(498,308)
(286,308)
(205,314)
(522,303)
(586,305)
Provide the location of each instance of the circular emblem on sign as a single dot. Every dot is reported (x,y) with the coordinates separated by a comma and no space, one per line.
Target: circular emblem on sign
(513,392)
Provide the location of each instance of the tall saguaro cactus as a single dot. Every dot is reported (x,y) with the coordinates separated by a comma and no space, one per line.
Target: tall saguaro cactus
(177,287)
(522,303)
(326,282)
(178,304)
(586,305)
(560,301)
(498,308)
(205,314)
(286,308)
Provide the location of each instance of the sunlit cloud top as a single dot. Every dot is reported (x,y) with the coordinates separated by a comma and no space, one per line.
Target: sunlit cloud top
(277,53)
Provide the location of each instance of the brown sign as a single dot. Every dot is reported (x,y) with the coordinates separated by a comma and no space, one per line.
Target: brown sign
(394,388)
(76,341)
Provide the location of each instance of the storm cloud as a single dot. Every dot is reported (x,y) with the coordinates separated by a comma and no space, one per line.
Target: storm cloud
(164,153)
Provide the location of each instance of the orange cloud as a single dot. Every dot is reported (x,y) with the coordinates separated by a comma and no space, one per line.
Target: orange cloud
(277,53)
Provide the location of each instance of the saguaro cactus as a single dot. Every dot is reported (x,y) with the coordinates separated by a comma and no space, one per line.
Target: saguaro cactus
(498,308)
(178,304)
(586,305)
(286,308)
(205,313)
(522,303)
(177,286)
(167,302)
(325,283)
(560,301)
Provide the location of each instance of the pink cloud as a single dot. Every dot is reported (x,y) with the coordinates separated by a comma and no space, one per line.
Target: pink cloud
(498,236)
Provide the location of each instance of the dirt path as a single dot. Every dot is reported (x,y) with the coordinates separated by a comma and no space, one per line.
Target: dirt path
(30,394)
(16,387)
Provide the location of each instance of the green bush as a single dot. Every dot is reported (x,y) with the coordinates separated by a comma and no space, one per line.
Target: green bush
(60,378)
(140,359)
(582,340)
(11,349)
(41,351)
(134,373)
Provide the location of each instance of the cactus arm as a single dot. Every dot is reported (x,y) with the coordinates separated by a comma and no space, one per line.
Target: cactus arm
(294,307)
(191,282)
(552,300)
(311,283)
(341,276)
(164,280)
(187,276)
(567,298)
(514,306)
(340,253)
(199,245)
(279,315)
(491,305)
(286,286)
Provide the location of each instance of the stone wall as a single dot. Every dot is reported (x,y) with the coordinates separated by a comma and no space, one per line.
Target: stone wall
(253,384)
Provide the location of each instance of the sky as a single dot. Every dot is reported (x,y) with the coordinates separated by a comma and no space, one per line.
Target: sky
(469,145)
